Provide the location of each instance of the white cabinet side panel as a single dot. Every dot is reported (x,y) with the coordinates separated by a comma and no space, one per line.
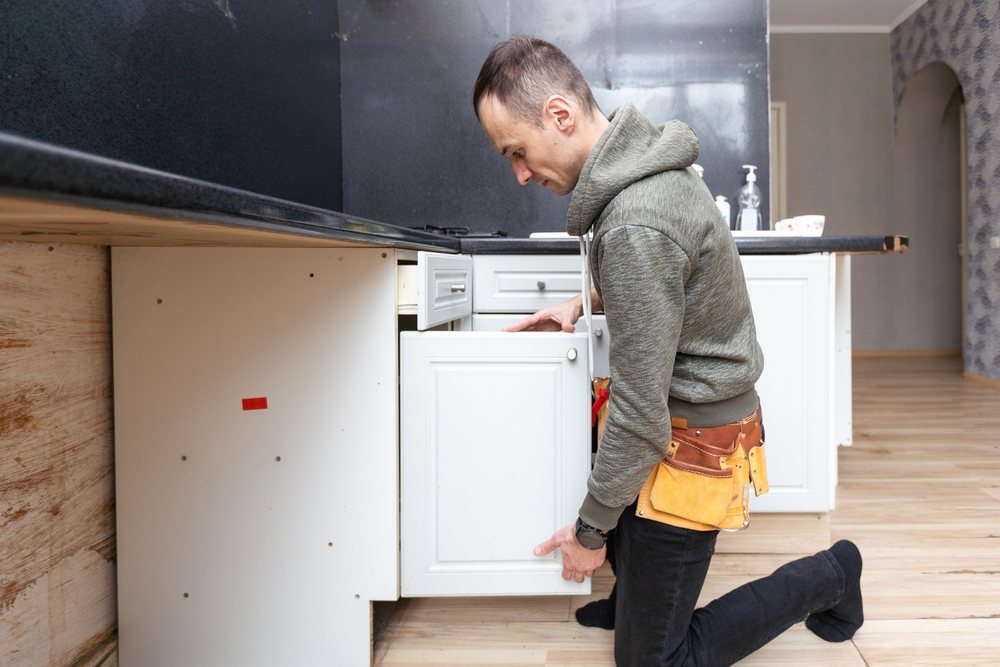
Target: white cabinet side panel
(495,450)
(253,535)
(844,403)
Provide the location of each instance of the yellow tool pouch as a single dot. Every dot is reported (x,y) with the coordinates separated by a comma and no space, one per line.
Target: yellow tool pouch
(703,482)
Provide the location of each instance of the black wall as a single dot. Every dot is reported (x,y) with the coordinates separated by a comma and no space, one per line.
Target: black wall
(414,153)
(244,93)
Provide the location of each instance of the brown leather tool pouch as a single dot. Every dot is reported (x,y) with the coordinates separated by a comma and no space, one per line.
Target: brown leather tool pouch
(703,482)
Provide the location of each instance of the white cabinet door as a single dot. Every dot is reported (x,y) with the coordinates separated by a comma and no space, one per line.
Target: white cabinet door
(495,453)
(793,314)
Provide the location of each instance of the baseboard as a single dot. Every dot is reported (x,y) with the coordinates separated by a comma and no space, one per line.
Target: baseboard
(866,354)
(981,379)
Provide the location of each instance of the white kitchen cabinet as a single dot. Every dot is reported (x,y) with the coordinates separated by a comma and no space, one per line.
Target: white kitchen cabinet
(257,405)
(258,398)
(495,454)
(794,305)
(255,453)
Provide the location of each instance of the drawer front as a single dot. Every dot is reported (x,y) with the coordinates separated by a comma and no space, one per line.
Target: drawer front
(524,283)
(438,289)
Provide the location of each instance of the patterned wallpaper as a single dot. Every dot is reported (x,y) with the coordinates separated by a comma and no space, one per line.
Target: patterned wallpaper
(965,35)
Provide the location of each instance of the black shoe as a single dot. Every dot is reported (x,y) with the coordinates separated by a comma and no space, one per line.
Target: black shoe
(840,622)
(599,613)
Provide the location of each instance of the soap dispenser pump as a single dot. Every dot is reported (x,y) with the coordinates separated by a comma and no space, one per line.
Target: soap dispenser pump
(748,200)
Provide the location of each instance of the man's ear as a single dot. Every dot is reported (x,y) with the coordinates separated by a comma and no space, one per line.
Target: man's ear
(560,112)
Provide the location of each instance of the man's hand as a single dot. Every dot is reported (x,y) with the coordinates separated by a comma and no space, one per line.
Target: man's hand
(561,317)
(578,561)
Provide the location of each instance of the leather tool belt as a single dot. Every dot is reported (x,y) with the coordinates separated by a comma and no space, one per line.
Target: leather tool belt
(703,482)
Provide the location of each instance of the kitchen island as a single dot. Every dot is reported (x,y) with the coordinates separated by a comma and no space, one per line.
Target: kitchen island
(258,407)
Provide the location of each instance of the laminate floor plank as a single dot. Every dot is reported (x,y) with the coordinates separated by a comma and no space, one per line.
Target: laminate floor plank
(919,493)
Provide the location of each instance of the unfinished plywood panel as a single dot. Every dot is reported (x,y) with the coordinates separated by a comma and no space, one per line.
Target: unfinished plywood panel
(57,572)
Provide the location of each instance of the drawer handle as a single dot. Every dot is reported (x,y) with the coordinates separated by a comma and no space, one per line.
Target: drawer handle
(541,285)
(458,287)
(571,354)
(598,332)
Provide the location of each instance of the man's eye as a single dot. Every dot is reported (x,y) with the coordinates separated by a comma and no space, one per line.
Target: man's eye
(518,154)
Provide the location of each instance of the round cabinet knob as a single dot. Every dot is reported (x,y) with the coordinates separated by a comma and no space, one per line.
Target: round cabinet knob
(541,285)
(598,332)
(571,354)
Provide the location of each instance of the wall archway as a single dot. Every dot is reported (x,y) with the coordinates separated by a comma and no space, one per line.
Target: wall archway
(929,196)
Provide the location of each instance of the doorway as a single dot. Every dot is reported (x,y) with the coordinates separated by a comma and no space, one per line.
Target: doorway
(930,202)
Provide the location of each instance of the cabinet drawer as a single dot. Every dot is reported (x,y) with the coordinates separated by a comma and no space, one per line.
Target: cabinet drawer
(437,289)
(524,283)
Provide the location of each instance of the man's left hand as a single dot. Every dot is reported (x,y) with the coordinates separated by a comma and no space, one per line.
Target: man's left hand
(578,561)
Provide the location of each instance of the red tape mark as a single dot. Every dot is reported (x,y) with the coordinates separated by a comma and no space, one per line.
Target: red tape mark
(258,403)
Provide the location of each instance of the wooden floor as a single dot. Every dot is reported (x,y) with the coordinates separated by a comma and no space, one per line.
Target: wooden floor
(919,493)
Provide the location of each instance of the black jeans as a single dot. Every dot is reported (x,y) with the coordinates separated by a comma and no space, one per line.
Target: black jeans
(659,573)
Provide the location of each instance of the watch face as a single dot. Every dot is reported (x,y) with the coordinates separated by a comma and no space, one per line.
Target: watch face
(590,539)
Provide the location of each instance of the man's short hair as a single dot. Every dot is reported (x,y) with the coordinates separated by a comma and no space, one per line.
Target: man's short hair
(522,72)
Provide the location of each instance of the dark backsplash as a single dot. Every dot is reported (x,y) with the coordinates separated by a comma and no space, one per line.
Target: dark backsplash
(240,93)
(413,150)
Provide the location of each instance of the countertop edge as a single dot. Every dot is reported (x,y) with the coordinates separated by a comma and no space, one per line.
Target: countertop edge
(746,245)
(40,171)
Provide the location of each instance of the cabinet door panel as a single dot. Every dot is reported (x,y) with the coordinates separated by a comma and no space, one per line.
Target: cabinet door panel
(495,449)
(791,305)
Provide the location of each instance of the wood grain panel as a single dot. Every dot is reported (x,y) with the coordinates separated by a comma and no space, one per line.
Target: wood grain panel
(57,574)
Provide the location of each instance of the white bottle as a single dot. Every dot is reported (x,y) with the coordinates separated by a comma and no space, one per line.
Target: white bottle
(723,205)
(748,218)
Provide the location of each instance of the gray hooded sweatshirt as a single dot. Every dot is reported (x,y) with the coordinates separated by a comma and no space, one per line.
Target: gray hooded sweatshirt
(666,268)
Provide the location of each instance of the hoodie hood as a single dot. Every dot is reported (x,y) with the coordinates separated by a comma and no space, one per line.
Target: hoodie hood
(629,150)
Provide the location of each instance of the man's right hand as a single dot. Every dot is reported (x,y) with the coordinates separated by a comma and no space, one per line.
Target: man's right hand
(561,317)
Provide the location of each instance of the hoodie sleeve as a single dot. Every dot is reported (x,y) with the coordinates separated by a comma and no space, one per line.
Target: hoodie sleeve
(642,275)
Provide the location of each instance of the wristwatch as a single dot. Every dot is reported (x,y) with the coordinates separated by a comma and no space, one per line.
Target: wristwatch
(590,537)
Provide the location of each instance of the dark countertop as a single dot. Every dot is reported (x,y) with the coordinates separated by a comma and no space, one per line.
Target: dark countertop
(747,245)
(39,171)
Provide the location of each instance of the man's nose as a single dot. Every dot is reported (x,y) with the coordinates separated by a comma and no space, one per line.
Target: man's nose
(522,173)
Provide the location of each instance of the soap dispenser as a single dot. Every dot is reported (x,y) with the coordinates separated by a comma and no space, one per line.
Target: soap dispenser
(723,206)
(748,201)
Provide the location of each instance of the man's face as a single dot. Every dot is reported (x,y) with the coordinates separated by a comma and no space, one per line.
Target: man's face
(543,154)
